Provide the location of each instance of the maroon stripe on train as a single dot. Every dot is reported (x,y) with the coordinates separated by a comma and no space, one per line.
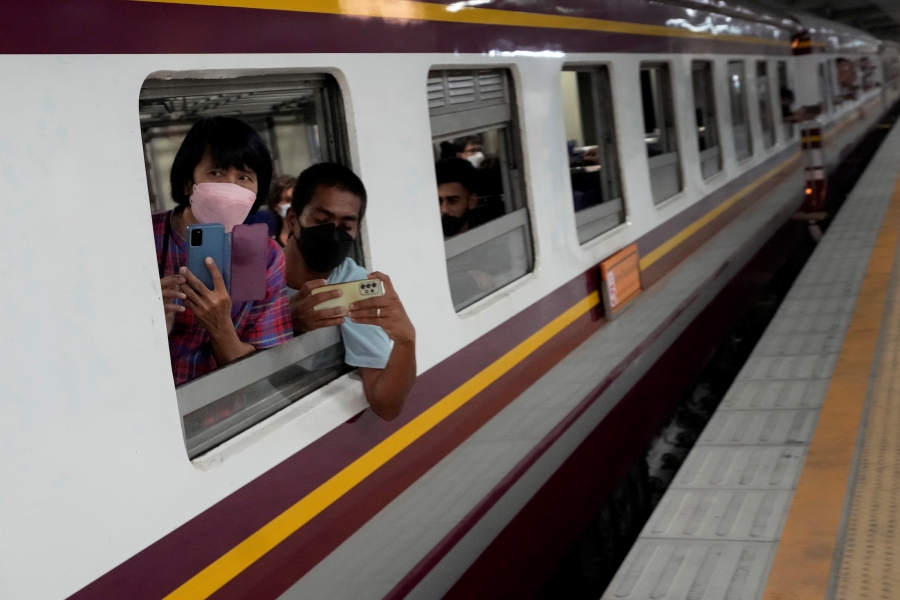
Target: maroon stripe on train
(526,553)
(406,585)
(661,234)
(128,27)
(169,562)
(270,576)
(666,263)
(273,574)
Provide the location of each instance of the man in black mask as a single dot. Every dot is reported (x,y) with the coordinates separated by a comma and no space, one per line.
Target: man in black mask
(456,193)
(328,205)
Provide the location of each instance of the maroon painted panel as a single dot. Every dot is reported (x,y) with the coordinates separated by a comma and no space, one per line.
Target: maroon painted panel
(166,564)
(676,224)
(525,554)
(125,26)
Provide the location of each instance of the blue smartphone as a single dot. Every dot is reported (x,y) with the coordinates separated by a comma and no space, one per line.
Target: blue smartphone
(207,240)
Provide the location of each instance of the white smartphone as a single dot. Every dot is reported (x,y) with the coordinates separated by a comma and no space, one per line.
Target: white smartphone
(353,291)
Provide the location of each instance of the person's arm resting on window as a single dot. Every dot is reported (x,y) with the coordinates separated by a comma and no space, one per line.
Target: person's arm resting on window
(387,388)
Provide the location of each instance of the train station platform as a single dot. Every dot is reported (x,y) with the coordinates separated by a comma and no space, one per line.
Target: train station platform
(793,488)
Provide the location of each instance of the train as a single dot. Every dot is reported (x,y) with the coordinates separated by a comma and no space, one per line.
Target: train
(643,163)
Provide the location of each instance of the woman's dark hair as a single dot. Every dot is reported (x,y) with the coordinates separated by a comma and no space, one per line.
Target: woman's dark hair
(327,175)
(231,143)
(456,170)
(279,185)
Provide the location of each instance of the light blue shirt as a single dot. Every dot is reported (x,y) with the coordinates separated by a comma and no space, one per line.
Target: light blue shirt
(364,345)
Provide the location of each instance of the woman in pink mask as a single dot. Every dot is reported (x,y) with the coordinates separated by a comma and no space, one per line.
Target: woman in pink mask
(220,175)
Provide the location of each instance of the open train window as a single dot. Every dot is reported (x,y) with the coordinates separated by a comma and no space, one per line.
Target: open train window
(785,84)
(300,119)
(705,115)
(740,117)
(764,97)
(592,152)
(480,182)
(660,133)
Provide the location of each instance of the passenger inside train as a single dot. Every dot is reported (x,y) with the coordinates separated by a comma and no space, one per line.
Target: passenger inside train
(278,202)
(456,194)
(470,149)
(846,78)
(329,202)
(216,177)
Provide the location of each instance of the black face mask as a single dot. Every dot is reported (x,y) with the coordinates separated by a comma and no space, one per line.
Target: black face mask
(324,247)
(452,224)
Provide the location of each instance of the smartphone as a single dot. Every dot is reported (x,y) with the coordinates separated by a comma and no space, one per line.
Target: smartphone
(353,292)
(249,250)
(206,240)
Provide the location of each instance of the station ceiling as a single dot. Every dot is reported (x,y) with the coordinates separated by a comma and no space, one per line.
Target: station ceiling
(881,18)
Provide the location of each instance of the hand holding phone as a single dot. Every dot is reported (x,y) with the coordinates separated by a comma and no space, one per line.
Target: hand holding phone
(305,317)
(351,291)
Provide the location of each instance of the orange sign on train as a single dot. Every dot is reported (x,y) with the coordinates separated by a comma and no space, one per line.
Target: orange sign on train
(621,279)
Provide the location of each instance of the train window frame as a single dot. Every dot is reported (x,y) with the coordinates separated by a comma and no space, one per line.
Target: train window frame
(711,159)
(593,89)
(743,102)
(455,112)
(764,103)
(665,167)
(244,393)
(784,81)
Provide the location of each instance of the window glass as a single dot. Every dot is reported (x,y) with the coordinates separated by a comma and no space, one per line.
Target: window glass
(787,105)
(660,133)
(740,119)
(705,115)
(480,184)
(592,152)
(300,120)
(764,97)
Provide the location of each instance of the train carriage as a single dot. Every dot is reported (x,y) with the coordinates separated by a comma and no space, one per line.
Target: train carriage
(642,176)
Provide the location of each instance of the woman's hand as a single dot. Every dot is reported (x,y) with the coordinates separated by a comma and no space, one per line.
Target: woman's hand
(304,316)
(171,291)
(212,307)
(386,312)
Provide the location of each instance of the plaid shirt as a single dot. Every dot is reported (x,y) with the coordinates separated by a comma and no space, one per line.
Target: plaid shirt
(262,324)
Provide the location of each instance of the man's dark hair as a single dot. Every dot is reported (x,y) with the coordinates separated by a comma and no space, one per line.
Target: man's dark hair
(456,170)
(329,175)
(463,143)
(230,143)
(787,94)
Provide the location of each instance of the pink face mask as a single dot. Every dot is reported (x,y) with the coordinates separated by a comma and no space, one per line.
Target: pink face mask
(225,203)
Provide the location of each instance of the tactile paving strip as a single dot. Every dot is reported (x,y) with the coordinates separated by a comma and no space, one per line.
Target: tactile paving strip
(714,533)
(870,567)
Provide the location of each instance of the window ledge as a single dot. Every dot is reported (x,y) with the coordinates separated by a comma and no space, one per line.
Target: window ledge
(302,423)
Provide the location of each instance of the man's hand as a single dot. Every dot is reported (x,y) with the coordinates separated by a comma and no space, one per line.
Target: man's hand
(171,291)
(386,312)
(304,316)
(212,307)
